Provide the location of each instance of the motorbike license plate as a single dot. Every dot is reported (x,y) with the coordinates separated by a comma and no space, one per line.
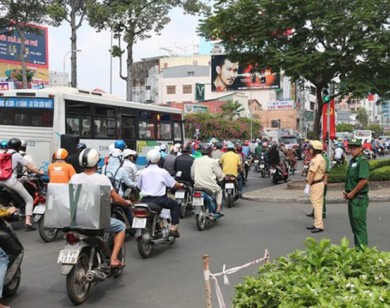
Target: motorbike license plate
(138,223)
(179,194)
(305,167)
(262,166)
(68,256)
(273,170)
(39,210)
(256,161)
(229,185)
(197,201)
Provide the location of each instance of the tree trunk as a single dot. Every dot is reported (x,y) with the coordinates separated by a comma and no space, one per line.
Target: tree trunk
(318,116)
(22,57)
(73,59)
(129,62)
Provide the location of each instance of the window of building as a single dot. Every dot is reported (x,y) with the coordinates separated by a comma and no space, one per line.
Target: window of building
(190,73)
(187,89)
(165,65)
(171,89)
(195,62)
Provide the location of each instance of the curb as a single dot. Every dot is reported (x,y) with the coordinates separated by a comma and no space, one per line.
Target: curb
(307,201)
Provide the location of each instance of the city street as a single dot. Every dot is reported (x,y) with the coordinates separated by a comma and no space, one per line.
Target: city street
(173,275)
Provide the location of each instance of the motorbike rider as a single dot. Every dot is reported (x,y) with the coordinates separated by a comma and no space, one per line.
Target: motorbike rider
(23,152)
(60,171)
(3,146)
(231,164)
(291,154)
(153,182)
(129,158)
(275,158)
(183,164)
(12,183)
(74,158)
(3,256)
(206,171)
(169,161)
(89,159)
(217,152)
(116,173)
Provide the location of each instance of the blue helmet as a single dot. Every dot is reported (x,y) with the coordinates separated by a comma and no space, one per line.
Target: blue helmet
(80,146)
(3,144)
(120,144)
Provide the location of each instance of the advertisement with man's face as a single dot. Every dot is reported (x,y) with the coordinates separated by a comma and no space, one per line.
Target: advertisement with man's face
(230,75)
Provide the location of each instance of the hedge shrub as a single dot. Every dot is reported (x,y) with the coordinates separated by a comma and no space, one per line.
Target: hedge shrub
(323,275)
(379,171)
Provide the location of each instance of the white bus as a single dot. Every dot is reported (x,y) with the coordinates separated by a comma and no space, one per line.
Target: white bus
(363,135)
(41,116)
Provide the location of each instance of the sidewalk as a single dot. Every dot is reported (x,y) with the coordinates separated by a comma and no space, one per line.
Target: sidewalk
(292,192)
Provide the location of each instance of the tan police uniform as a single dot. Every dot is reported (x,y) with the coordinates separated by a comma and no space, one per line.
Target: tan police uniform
(318,166)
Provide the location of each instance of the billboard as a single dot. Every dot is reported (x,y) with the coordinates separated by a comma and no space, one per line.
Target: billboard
(36,57)
(227,75)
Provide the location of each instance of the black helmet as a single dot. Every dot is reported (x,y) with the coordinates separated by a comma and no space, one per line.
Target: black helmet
(14,144)
(80,146)
(187,148)
(206,148)
(218,145)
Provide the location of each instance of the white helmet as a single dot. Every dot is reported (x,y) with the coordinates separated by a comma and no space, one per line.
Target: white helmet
(153,156)
(128,152)
(89,157)
(176,147)
(111,147)
(163,147)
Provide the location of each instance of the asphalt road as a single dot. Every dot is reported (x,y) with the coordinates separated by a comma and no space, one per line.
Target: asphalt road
(173,275)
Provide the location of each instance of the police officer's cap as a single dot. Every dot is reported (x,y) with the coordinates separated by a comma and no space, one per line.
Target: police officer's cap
(316,144)
(355,142)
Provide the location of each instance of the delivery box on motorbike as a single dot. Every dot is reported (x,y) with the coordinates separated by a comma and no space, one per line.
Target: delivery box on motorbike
(84,206)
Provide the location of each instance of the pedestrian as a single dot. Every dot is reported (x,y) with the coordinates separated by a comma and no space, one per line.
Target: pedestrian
(356,192)
(315,184)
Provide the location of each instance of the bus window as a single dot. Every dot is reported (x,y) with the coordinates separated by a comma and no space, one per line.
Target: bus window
(104,122)
(78,114)
(177,133)
(146,129)
(36,117)
(128,127)
(164,131)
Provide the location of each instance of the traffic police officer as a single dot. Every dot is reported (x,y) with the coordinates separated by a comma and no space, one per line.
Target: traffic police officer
(315,184)
(356,192)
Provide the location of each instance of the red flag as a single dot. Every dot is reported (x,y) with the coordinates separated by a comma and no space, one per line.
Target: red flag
(325,130)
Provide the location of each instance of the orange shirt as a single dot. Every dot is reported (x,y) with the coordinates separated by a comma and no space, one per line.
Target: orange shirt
(60,172)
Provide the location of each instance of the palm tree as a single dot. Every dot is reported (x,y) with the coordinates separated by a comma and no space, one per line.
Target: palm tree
(232,109)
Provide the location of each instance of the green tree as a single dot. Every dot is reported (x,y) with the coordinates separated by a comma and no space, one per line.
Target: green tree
(133,20)
(376,128)
(21,16)
(319,40)
(74,13)
(362,117)
(344,127)
(219,127)
(232,109)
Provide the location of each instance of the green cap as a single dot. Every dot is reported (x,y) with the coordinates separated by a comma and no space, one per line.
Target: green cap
(355,141)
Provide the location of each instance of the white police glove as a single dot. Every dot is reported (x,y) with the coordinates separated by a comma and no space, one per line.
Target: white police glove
(307,190)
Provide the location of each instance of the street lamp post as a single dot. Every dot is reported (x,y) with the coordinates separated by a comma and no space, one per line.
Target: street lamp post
(63,67)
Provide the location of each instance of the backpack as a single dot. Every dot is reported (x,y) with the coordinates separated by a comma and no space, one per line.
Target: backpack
(6,166)
(112,177)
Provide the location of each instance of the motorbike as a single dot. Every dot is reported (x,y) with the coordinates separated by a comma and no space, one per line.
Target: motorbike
(119,212)
(277,175)
(263,166)
(338,162)
(256,163)
(85,260)
(205,206)
(247,166)
(368,154)
(151,223)
(183,198)
(14,249)
(230,189)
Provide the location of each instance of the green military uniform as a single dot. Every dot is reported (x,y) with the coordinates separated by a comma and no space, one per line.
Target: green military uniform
(357,207)
(327,171)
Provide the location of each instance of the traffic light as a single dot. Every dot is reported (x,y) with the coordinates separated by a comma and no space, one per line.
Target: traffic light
(326,94)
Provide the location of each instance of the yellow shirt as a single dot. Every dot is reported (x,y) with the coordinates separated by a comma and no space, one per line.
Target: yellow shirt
(230,163)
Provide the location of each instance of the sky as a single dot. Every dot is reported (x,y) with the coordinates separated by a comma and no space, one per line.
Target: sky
(94,59)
